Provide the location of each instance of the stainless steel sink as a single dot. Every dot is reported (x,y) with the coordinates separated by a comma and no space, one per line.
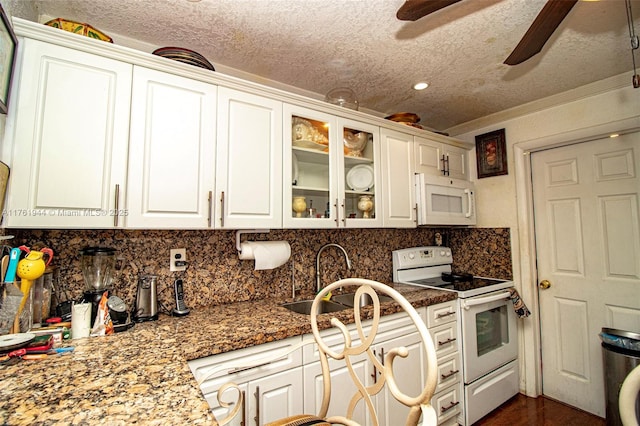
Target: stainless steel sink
(365,299)
(304,307)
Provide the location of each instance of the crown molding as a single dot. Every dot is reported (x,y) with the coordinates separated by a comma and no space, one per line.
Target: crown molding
(588,90)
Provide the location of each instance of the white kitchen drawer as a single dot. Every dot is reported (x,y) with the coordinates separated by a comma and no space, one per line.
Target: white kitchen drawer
(390,327)
(442,313)
(449,422)
(449,371)
(445,338)
(447,404)
(231,365)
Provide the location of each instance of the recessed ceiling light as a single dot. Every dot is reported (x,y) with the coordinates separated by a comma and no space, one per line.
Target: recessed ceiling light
(421,86)
(614,135)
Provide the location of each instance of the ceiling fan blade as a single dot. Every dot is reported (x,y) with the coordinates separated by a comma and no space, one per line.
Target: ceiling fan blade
(412,10)
(549,18)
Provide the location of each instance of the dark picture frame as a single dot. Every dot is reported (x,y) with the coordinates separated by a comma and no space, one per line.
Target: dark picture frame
(8,43)
(491,154)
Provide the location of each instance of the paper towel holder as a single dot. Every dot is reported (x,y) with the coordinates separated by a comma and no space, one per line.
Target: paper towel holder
(248,231)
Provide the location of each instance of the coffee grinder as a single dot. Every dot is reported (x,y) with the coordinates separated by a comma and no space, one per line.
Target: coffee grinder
(98,268)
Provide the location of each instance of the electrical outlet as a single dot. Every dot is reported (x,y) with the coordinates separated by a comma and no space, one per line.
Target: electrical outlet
(178,260)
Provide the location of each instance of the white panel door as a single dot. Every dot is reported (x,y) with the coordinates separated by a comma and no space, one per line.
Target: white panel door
(409,373)
(342,388)
(70,140)
(586,199)
(275,397)
(249,161)
(172,151)
(399,209)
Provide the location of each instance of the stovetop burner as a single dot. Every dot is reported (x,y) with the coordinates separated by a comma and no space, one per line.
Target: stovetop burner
(431,267)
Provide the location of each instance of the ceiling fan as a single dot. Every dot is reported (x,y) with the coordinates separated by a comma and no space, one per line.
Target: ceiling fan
(549,18)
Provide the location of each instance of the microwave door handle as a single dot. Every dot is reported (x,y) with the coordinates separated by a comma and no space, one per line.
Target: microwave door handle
(466,304)
(469,203)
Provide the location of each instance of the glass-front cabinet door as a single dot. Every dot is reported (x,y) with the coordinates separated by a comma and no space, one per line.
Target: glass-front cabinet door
(359,182)
(310,190)
(333,171)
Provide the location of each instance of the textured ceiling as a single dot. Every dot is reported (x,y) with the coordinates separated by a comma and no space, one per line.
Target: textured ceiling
(317,45)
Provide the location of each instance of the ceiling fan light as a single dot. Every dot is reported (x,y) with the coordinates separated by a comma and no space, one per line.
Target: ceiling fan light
(421,86)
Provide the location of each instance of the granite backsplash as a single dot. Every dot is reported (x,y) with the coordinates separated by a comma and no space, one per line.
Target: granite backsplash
(216,276)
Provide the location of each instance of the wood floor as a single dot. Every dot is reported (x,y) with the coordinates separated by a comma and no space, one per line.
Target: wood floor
(524,411)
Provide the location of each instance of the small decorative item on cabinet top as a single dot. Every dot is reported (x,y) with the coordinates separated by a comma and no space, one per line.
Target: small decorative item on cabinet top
(491,154)
(407,118)
(78,28)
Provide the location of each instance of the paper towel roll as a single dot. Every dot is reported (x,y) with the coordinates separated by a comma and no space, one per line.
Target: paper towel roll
(267,254)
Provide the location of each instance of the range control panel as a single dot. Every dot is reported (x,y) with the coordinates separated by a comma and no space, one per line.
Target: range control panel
(418,257)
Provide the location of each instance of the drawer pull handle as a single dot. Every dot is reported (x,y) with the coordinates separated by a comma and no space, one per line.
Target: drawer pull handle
(241,369)
(446,314)
(446,342)
(445,409)
(451,373)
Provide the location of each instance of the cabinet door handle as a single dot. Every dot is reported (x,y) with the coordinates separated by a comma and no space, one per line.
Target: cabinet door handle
(447,165)
(446,314)
(374,376)
(444,165)
(344,212)
(222,209)
(382,356)
(416,209)
(210,202)
(116,205)
(244,409)
(446,342)
(451,373)
(337,213)
(257,395)
(449,407)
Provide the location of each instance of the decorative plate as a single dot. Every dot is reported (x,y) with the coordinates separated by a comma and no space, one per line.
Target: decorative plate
(9,342)
(185,56)
(360,177)
(78,28)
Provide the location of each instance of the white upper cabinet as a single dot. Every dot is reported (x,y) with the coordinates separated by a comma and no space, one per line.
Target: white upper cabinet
(398,179)
(440,159)
(171,152)
(249,161)
(332,171)
(69,139)
(99,136)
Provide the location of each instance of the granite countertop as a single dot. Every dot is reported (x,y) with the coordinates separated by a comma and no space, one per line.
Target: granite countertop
(141,375)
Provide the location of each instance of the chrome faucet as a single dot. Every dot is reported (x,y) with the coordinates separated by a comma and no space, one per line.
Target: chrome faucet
(346,258)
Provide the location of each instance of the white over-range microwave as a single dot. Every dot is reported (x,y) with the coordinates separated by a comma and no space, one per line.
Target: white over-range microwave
(444,201)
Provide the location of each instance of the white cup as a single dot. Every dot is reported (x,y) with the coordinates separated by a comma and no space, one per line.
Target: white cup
(80,320)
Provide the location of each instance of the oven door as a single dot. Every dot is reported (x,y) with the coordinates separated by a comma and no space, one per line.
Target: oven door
(489,335)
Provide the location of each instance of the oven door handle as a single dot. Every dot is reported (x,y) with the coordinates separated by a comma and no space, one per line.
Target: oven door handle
(466,304)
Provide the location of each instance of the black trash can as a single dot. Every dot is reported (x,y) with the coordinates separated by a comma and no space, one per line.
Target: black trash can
(620,354)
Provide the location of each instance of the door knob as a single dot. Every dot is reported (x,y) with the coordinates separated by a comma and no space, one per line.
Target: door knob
(544,284)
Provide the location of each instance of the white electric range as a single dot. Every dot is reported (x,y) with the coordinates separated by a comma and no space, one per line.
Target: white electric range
(487,325)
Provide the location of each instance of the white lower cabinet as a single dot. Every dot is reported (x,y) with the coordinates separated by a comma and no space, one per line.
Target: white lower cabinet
(442,322)
(272,390)
(293,383)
